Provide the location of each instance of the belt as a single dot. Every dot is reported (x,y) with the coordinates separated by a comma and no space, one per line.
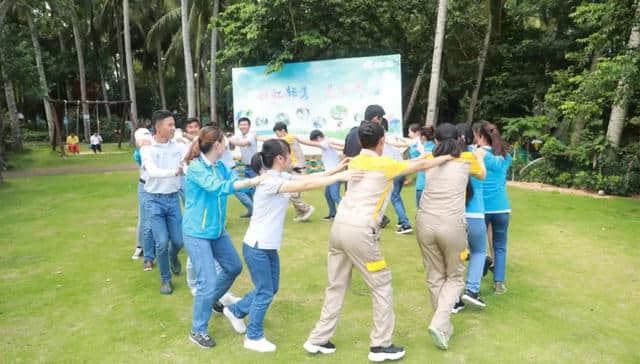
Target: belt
(142,181)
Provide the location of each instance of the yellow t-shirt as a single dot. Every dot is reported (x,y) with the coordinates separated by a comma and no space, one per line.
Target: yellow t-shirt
(72,140)
(297,156)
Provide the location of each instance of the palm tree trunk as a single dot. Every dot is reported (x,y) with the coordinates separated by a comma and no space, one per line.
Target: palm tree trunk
(130,75)
(212,79)
(482,60)
(103,83)
(16,132)
(434,83)
(188,61)
(414,93)
(198,75)
(86,121)
(621,105)
(42,77)
(163,98)
(120,64)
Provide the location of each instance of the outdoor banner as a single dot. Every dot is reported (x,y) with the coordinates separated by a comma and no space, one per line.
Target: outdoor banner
(327,95)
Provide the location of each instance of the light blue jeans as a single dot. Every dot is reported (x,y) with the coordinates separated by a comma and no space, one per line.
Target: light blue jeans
(396,200)
(191,272)
(418,197)
(477,240)
(264,266)
(166,225)
(500,226)
(210,285)
(145,236)
(332,195)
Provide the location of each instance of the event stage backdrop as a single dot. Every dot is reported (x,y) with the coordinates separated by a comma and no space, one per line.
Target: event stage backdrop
(327,95)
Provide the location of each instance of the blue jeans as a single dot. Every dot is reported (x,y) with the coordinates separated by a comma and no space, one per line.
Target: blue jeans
(191,272)
(332,195)
(264,266)
(477,239)
(418,197)
(500,226)
(166,224)
(211,285)
(396,200)
(145,236)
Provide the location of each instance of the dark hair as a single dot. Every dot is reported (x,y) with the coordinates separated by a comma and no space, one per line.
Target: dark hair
(191,121)
(160,115)
(465,134)
(280,126)
(316,134)
(203,144)
(370,134)
(372,111)
(447,137)
(385,124)
(428,132)
(491,134)
(270,150)
(415,127)
(244,118)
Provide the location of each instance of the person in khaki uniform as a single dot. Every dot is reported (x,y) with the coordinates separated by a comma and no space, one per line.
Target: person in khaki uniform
(442,227)
(354,242)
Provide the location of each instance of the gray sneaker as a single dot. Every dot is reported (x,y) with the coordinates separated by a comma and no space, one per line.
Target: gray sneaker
(202,339)
(499,288)
(176,267)
(166,288)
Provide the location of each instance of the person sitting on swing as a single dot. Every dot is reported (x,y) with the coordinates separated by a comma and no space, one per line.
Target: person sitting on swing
(73,144)
(96,142)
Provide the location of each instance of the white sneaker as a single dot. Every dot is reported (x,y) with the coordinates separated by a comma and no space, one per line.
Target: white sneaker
(229,299)
(327,348)
(193,291)
(137,253)
(261,345)
(236,323)
(306,215)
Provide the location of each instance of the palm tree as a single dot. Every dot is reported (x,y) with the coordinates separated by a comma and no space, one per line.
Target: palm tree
(188,62)
(130,73)
(434,84)
(212,79)
(83,75)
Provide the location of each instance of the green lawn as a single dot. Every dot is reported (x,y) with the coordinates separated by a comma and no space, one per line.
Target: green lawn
(38,155)
(71,293)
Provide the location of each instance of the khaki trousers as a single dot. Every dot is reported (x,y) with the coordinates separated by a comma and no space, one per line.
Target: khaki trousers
(349,247)
(299,205)
(441,241)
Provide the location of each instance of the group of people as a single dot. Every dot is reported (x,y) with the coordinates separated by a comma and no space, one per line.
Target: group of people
(73,143)
(460,193)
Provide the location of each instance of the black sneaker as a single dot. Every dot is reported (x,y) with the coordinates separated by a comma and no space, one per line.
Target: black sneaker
(327,348)
(385,221)
(166,288)
(328,218)
(473,299)
(176,267)
(217,308)
(391,352)
(459,306)
(202,339)
(404,229)
(488,265)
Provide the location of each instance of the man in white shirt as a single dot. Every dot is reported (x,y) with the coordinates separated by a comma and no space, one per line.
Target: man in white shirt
(162,161)
(248,144)
(96,142)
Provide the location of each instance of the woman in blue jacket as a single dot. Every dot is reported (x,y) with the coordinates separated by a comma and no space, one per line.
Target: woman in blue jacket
(423,144)
(207,185)
(496,201)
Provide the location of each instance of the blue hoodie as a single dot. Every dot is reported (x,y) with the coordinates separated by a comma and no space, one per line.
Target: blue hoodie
(206,189)
(495,184)
(415,153)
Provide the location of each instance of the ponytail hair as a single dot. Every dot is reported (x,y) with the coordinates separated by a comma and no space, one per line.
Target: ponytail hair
(491,134)
(465,134)
(447,141)
(270,150)
(428,132)
(204,142)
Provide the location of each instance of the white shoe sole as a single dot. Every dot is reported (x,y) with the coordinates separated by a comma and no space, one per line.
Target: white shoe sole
(403,232)
(314,349)
(473,302)
(456,310)
(306,215)
(438,339)
(249,346)
(378,357)
(228,299)
(237,324)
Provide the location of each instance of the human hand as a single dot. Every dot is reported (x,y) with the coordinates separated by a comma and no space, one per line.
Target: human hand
(479,153)
(350,175)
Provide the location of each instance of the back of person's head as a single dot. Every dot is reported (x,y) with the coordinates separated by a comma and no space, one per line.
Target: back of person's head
(372,111)
(160,115)
(414,127)
(244,119)
(385,124)
(465,133)
(428,132)
(491,134)
(271,149)
(447,141)
(207,137)
(370,134)
(280,126)
(315,134)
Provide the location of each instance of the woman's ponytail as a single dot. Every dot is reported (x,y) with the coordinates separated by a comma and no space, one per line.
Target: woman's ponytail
(204,142)
(193,152)
(257,163)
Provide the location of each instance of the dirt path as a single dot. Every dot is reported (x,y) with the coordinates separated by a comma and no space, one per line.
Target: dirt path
(33,172)
(550,188)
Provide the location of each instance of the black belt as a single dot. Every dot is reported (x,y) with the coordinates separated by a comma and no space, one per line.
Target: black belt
(142,181)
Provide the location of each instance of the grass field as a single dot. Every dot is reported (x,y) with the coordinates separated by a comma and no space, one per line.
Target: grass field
(41,156)
(71,293)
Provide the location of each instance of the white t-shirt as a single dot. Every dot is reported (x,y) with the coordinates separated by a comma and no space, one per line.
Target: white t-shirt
(247,152)
(330,158)
(161,161)
(227,157)
(95,139)
(269,210)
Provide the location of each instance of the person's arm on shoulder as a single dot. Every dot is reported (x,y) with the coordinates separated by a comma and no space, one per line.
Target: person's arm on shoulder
(478,168)
(264,138)
(239,142)
(154,171)
(342,165)
(301,185)
(308,142)
(421,164)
